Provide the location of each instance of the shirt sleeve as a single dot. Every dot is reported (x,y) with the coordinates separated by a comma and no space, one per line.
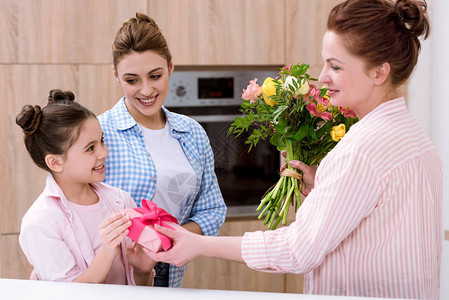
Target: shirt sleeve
(40,242)
(209,209)
(346,190)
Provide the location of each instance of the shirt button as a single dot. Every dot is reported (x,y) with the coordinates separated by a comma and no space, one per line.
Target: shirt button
(154,178)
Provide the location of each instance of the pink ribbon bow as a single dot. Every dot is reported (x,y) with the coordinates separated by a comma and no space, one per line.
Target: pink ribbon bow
(151,214)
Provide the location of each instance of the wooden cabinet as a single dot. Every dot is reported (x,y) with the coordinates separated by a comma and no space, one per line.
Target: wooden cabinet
(212,273)
(305,25)
(62,31)
(222,32)
(13,263)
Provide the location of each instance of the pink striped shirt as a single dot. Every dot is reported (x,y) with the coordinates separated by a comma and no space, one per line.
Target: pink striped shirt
(372,224)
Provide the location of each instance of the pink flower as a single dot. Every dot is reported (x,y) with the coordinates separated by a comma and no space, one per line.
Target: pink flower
(317,105)
(287,68)
(347,112)
(316,110)
(252,92)
(313,91)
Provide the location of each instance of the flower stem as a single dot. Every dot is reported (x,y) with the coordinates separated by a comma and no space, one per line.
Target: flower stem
(276,188)
(264,200)
(264,210)
(284,209)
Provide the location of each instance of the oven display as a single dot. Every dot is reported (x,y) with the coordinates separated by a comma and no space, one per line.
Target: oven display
(216,88)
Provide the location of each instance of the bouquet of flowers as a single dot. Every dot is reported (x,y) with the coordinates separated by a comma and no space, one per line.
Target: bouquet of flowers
(296,116)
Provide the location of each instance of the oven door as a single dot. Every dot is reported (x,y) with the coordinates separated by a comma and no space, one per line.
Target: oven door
(243,176)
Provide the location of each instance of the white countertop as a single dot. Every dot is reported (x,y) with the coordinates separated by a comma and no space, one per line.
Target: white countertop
(11,289)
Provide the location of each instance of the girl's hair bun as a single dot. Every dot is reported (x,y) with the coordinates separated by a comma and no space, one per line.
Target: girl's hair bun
(413,17)
(60,96)
(29,119)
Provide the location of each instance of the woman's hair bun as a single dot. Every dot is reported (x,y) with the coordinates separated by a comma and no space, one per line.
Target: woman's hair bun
(60,96)
(413,17)
(29,118)
(140,17)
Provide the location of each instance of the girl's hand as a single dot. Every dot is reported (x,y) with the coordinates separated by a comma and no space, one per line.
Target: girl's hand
(113,230)
(138,258)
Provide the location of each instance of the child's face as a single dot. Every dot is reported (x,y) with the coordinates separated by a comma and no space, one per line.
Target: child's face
(84,162)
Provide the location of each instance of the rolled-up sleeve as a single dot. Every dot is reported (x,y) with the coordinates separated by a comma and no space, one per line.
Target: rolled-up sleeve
(209,209)
(328,215)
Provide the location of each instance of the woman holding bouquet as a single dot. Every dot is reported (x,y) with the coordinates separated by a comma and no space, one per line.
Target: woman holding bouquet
(371,222)
(154,153)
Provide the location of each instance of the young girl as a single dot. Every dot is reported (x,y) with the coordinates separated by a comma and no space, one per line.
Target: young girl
(73,231)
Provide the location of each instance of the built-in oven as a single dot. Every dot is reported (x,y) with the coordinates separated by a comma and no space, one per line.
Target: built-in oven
(213,99)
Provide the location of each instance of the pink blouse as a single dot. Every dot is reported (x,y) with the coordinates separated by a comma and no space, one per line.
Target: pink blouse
(54,238)
(372,224)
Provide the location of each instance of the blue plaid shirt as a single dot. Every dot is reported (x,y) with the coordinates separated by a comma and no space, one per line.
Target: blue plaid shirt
(130,167)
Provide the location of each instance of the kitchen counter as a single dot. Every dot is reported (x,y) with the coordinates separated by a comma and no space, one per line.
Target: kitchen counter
(37,290)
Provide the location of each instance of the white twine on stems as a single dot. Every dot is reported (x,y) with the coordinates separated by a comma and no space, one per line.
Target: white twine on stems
(291,173)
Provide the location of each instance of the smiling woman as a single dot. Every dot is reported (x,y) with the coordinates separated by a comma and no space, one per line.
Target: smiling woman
(371,222)
(144,79)
(154,153)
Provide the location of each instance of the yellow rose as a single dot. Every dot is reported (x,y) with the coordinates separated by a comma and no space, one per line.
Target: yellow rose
(269,89)
(338,132)
(304,89)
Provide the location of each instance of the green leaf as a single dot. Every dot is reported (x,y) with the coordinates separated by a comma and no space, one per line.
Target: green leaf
(280,126)
(312,132)
(277,140)
(301,133)
(326,128)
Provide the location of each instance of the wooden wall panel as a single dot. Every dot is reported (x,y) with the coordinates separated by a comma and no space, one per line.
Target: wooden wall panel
(22,180)
(98,88)
(304,29)
(207,31)
(214,273)
(8,31)
(13,263)
(66,31)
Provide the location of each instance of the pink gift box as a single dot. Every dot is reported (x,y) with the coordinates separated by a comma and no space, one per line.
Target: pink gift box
(141,229)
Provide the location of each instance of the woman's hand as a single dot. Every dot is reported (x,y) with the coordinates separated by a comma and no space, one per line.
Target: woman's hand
(186,246)
(308,173)
(113,230)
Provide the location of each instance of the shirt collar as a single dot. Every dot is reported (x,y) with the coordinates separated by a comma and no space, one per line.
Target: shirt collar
(176,124)
(52,189)
(122,117)
(390,107)
(125,121)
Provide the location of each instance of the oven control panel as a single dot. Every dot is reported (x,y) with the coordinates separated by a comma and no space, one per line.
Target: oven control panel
(211,88)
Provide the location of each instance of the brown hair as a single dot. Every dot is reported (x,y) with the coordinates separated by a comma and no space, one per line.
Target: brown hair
(139,34)
(54,128)
(380,31)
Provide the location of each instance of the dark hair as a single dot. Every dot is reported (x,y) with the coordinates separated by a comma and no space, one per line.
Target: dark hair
(139,34)
(54,128)
(380,31)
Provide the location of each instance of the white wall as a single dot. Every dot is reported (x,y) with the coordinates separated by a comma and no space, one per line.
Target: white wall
(428,99)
